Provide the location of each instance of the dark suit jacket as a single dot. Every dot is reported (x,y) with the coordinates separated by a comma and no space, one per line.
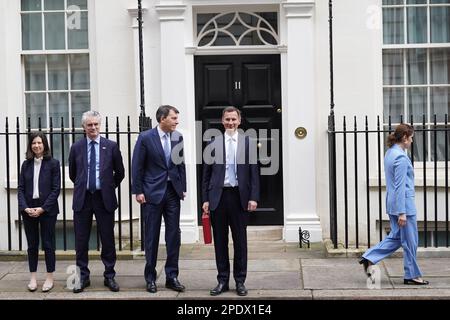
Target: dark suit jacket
(112,172)
(49,185)
(214,173)
(149,168)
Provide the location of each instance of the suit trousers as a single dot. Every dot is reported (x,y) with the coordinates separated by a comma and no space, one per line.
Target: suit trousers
(93,204)
(47,227)
(169,208)
(405,237)
(229,213)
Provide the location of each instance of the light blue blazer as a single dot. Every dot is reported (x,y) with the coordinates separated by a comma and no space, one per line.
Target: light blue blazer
(400,196)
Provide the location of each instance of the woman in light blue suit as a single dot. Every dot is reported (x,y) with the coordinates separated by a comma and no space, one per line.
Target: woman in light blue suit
(400,207)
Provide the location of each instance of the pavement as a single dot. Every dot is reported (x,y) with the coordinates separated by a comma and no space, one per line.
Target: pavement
(276,271)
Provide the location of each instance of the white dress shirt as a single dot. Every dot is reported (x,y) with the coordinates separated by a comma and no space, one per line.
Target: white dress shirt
(234,141)
(37,170)
(162,139)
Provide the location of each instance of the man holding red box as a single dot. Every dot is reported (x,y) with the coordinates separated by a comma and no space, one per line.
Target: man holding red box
(230,190)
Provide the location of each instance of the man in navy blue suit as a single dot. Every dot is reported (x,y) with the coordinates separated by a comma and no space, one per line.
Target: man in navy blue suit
(230,190)
(159,183)
(96,169)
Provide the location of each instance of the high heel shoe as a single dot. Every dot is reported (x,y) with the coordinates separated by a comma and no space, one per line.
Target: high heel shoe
(366,264)
(415,282)
(32,287)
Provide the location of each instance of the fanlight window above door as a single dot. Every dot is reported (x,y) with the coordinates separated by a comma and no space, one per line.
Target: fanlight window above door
(237,29)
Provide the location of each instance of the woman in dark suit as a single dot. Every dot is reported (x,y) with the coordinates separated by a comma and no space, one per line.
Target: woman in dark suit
(38,191)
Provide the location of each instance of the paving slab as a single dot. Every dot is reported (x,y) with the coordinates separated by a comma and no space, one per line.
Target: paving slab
(252,295)
(204,295)
(25,295)
(22,276)
(436,267)
(202,253)
(253,265)
(435,283)
(22,266)
(271,265)
(20,286)
(381,294)
(6,267)
(13,286)
(307,253)
(281,294)
(337,273)
(193,279)
(264,247)
(207,279)
(132,267)
(197,264)
(130,282)
(328,262)
(272,255)
(274,280)
(107,295)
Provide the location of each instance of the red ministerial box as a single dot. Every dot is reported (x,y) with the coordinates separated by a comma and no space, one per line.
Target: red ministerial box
(206,223)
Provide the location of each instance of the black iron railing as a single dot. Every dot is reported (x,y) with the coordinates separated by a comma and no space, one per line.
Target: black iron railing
(357,213)
(13,139)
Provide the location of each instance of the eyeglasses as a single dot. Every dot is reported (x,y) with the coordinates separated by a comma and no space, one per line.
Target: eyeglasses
(95,124)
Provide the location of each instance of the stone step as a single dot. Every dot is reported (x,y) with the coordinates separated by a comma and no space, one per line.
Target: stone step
(257,233)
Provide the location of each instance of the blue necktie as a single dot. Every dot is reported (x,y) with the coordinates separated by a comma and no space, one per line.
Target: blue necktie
(92,168)
(231,169)
(166,148)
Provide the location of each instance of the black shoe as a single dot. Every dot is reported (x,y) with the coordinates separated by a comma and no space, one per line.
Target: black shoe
(220,288)
(83,285)
(241,289)
(111,284)
(366,263)
(415,282)
(174,284)
(151,287)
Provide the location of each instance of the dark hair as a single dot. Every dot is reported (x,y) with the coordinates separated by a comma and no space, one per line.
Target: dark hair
(401,131)
(231,109)
(30,154)
(163,112)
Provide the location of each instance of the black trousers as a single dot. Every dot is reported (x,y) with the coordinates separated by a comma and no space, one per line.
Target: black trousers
(47,227)
(169,208)
(93,204)
(229,213)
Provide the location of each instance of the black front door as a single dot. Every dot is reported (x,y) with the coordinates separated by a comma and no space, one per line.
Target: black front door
(251,83)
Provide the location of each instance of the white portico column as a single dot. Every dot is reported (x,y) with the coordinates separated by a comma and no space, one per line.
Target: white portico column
(299,110)
(174,64)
